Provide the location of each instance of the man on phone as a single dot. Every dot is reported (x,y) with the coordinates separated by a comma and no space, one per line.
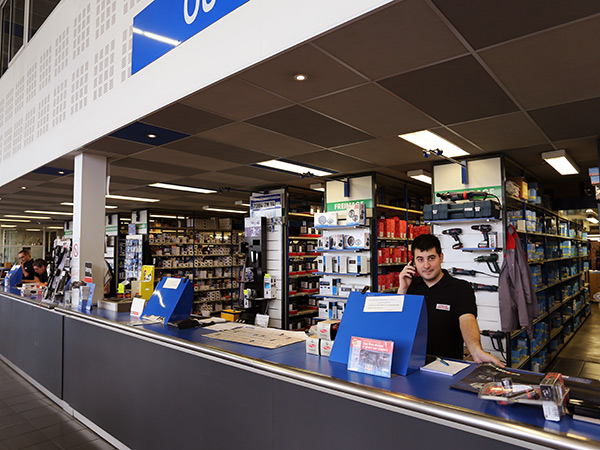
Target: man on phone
(451,308)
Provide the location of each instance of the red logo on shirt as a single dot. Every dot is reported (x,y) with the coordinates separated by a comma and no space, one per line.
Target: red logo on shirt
(442,307)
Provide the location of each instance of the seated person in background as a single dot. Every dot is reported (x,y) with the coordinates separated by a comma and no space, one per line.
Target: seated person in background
(41,273)
(26,265)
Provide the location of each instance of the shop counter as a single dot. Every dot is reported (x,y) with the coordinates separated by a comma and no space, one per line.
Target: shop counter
(154,386)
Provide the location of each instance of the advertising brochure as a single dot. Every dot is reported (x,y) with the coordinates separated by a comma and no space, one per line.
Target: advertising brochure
(371,356)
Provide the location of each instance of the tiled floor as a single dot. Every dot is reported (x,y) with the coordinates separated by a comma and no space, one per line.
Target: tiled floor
(581,356)
(29,420)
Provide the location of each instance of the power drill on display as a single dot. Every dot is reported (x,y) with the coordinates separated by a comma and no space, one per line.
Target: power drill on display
(454,232)
(461,195)
(485,230)
(484,287)
(491,260)
(469,272)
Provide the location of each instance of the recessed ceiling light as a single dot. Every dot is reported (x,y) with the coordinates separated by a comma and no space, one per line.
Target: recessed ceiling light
(125,219)
(151,136)
(430,141)
(32,229)
(105,206)
(236,211)
(591,219)
(8,226)
(421,175)
(293,168)
(132,199)
(177,187)
(55,228)
(52,213)
(15,220)
(160,216)
(28,217)
(300,77)
(241,203)
(60,172)
(561,162)
(23,187)
(318,187)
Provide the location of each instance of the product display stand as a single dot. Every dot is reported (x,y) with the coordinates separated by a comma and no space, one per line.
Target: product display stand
(406,328)
(172,300)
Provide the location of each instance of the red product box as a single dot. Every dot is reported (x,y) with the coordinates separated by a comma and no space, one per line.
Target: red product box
(381,232)
(390,227)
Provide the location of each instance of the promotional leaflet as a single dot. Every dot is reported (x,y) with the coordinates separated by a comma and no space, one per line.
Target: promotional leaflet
(371,356)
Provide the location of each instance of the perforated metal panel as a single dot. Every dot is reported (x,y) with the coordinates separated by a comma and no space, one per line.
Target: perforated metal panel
(19,95)
(45,68)
(59,105)
(43,116)
(81,31)
(106,16)
(61,52)
(29,131)
(7,144)
(126,50)
(104,70)
(31,83)
(17,137)
(79,87)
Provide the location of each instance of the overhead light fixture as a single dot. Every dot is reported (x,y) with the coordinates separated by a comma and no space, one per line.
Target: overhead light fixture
(421,175)
(236,211)
(132,199)
(241,203)
(430,141)
(318,187)
(15,220)
(125,219)
(151,136)
(32,229)
(300,77)
(60,172)
(177,187)
(52,213)
(8,226)
(561,162)
(160,216)
(28,217)
(105,206)
(592,220)
(157,37)
(589,211)
(293,167)
(54,228)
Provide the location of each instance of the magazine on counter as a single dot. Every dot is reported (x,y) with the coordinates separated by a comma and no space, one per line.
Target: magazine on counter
(371,356)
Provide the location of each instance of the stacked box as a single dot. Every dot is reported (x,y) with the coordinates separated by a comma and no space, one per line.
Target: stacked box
(519,348)
(381,229)
(537,279)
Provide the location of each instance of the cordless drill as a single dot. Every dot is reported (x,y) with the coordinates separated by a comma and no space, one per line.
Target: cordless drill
(491,260)
(485,230)
(454,232)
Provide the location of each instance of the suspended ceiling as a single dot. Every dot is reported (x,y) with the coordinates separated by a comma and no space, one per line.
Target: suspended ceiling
(512,77)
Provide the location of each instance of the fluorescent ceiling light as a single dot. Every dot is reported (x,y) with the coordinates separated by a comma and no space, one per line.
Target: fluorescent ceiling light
(8,226)
(55,228)
(32,229)
(592,219)
(157,37)
(561,162)
(15,220)
(125,219)
(105,206)
(318,187)
(241,203)
(160,216)
(28,217)
(177,187)
(132,199)
(293,168)
(208,208)
(430,141)
(421,175)
(52,213)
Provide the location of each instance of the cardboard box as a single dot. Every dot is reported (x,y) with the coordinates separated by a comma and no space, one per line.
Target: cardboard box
(327,329)
(325,346)
(312,345)
(115,305)
(594,282)
(325,219)
(230,315)
(324,310)
(523,188)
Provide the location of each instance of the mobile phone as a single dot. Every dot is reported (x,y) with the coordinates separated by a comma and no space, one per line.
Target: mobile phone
(416,274)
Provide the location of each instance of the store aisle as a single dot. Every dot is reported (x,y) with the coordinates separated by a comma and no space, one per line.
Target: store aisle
(581,356)
(29,420)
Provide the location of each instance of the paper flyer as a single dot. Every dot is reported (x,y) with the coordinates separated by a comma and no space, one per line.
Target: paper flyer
(371,356)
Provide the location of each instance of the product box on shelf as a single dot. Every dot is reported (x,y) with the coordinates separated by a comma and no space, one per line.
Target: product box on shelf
(356,214)
(327,329)
(312,345)
(325,346)
(324,219)
(324,310)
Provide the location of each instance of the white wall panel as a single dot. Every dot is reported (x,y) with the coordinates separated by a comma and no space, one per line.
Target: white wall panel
(81,59)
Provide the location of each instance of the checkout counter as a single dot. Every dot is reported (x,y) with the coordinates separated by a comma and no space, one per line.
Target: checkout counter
(156,387)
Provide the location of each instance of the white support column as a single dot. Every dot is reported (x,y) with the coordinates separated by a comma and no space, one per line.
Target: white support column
(89,189)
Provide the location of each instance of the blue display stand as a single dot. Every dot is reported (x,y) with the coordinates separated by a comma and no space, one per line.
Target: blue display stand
(408,330)
(172,300)
(14,276)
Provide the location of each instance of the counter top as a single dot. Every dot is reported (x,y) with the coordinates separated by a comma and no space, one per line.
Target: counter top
(422,393)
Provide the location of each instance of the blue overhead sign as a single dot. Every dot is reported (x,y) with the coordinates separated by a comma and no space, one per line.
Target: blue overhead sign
(165,24)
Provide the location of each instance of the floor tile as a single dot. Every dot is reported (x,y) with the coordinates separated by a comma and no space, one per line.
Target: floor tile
(25,440)
(72,440)
(16,430)
(49,419)
(61,429)
(98,444)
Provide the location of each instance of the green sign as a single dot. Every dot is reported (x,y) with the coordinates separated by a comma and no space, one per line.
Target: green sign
(343,206)
(68,233)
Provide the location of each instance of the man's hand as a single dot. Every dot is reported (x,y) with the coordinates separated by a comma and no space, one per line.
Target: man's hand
(405,278)
(480,356)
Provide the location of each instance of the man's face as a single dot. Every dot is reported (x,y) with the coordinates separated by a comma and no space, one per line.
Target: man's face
(429,264)
(39,270)
(24,257)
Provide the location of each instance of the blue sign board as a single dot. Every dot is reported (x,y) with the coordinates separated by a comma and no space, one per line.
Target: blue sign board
(165,24)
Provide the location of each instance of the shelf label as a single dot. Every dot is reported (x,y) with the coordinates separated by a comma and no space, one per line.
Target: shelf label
(384,303)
